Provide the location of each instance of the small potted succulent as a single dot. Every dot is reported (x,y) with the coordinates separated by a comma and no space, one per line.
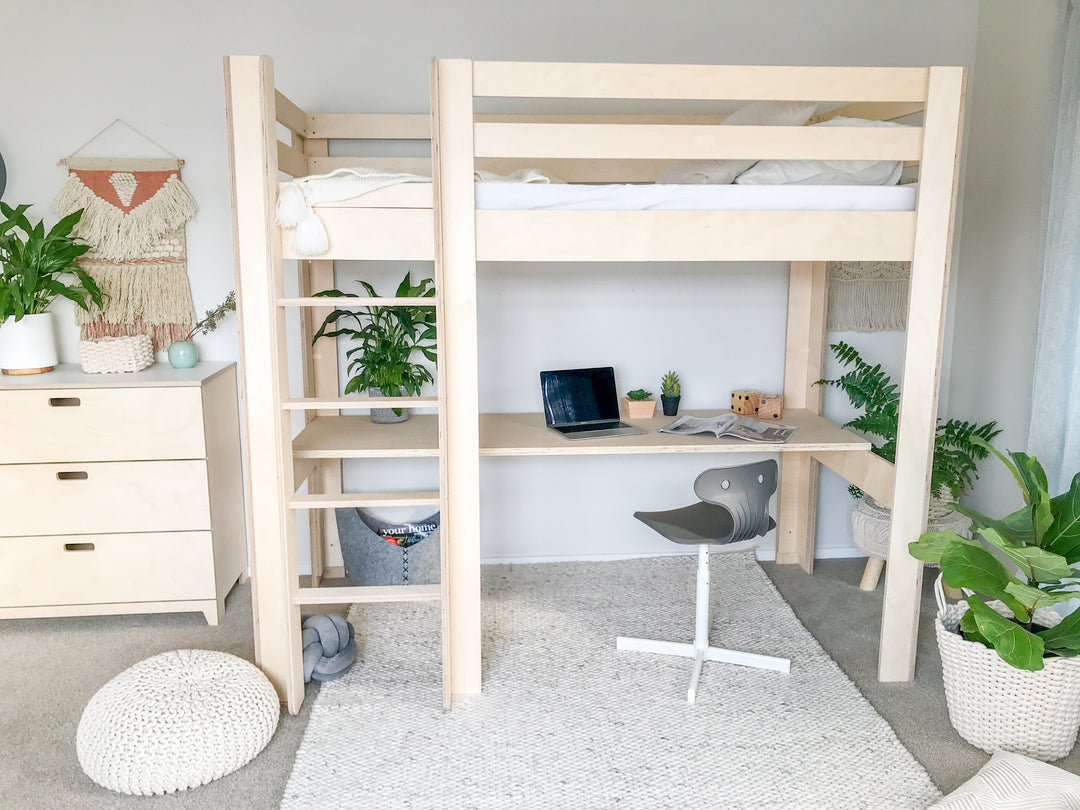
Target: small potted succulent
(670,393)
(33,264)
(639,404)
(182,353)
(386,338)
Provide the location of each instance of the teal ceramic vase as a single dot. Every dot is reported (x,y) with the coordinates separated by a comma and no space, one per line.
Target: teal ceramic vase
(182,354)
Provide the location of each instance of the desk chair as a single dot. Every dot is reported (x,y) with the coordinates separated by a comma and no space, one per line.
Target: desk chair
(733,515)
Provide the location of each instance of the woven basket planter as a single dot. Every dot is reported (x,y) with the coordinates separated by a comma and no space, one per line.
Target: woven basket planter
(995,706)
(112,354)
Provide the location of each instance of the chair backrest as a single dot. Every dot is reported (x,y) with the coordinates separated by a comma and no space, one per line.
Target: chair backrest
(744,491)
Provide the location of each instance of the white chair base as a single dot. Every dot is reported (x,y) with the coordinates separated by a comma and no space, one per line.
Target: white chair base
(700,650)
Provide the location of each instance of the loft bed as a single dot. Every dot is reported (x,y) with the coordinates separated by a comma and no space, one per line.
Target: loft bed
(458,222)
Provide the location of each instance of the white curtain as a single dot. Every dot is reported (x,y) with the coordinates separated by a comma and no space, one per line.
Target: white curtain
(1055,415)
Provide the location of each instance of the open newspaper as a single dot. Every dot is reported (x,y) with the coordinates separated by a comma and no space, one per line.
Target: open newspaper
(733,425)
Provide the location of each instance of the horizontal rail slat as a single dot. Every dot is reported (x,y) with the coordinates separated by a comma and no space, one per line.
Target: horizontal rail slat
(370,126)
(654,141)
(367,593)
(364,500)
(628,236)
(866,470)
(405,234)
(358,403)
(705,82)
(347,302)
(412,165)
(289,114)
(291,161)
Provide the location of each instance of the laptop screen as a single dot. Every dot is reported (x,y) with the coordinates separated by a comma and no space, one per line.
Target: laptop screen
(579,395)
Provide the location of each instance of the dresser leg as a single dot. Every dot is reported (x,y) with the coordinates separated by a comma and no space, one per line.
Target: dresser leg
(214,611)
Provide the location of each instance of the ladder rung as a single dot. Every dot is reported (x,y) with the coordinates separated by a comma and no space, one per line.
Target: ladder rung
(358,403)
(368,593)
(364,499)
(348,302)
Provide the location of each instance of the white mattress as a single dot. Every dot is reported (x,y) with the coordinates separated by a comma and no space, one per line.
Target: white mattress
(632,197)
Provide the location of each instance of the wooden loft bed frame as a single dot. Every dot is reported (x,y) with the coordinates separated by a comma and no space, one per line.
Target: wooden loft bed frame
(440,222)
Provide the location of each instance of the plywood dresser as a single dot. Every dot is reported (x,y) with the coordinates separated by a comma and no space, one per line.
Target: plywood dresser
(120,493)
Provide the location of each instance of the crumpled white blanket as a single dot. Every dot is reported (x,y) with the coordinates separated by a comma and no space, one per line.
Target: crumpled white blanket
(295,208)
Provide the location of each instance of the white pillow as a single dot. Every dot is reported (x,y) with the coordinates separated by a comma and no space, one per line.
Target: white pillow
(724,172)
(827,172)
(1010,781)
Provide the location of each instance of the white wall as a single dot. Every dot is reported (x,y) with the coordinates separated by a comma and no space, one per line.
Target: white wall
(997,276)
(157,65)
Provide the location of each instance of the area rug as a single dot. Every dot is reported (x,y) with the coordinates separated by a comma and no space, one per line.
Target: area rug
(566,721)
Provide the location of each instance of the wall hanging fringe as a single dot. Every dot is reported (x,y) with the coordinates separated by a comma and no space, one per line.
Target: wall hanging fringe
(868,296)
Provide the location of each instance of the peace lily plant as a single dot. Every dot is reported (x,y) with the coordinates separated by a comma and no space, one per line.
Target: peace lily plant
(1041,540)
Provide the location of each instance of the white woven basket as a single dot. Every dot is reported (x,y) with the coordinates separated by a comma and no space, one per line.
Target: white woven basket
(870,524)
(995,706)
(111,354)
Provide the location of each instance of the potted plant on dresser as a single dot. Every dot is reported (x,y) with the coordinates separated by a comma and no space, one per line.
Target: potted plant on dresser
(386,339)
(33,266)
(1012,679)
(959,446)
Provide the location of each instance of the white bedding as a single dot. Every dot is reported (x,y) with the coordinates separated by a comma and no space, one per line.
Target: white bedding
(630,197)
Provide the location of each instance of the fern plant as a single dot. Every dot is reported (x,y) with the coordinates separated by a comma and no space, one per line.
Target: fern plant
(959,445)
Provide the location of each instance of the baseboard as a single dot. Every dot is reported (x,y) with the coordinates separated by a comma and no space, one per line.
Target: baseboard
(765,555)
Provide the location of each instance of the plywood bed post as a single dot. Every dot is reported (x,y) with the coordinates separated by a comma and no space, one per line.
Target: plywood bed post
(459,436)
(250,103)
(930,264)
(808,296)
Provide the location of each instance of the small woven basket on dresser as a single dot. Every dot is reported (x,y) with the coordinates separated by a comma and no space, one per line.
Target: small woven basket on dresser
(112,354)
(995,706)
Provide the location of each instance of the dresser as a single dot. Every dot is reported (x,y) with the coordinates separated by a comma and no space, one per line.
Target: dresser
(120,493)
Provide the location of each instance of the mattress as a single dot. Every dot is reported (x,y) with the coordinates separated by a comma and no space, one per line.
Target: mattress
(634,197)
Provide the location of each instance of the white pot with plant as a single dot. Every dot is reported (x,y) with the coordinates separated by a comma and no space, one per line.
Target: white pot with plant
(1012,678)
(33,267)
(958,448)
(386,339)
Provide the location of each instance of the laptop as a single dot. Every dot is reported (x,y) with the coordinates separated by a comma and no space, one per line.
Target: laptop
(581,403)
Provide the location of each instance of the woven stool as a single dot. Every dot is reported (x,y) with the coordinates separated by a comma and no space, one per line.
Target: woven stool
(870,532)
(175,721)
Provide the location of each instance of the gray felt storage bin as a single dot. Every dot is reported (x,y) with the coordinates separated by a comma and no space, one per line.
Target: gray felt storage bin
(409,557)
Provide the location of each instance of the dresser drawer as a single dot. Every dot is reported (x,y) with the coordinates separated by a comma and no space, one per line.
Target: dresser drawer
(122,496)
(82,569)
(101,424)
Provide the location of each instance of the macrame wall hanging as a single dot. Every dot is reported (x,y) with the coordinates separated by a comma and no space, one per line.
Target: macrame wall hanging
(134,217)
(868,296)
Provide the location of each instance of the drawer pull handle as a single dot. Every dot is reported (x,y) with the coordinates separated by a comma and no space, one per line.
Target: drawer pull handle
(65,402)
(78,546)
(74,475)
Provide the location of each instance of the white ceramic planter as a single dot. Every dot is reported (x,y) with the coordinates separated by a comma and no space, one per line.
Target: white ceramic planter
(28,346)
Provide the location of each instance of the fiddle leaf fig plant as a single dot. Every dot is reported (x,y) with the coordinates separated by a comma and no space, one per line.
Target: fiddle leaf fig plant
(1041,541)
(34,262)
(386,339)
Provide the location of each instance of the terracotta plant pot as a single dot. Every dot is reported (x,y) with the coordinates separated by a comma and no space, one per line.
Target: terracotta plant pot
(639,408)
(28,345)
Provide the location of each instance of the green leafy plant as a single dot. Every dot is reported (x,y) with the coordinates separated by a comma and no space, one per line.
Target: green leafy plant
(34,261)
(1042,541)
(959,445)
(214,316)
(638,395)
(386,339)
(670,386)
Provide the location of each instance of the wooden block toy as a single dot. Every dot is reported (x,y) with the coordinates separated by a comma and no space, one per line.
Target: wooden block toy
(745,403)
(771,406)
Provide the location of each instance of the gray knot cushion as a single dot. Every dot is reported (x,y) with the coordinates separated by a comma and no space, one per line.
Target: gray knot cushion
(175,721)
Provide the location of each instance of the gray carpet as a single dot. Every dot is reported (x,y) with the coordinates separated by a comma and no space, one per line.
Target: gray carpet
(51,667)
(567,721)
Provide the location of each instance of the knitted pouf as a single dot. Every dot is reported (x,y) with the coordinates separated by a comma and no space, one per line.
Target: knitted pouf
(175,721)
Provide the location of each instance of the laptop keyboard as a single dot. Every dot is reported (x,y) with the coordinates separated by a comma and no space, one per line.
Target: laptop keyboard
(589,427)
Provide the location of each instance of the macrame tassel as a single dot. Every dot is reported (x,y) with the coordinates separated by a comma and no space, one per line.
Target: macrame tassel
(868,297)
(292,208)
(119,236)
(310,238)
(151,293)
(161,335)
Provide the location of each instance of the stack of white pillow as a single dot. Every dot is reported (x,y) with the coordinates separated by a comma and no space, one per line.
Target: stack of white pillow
(791,172)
